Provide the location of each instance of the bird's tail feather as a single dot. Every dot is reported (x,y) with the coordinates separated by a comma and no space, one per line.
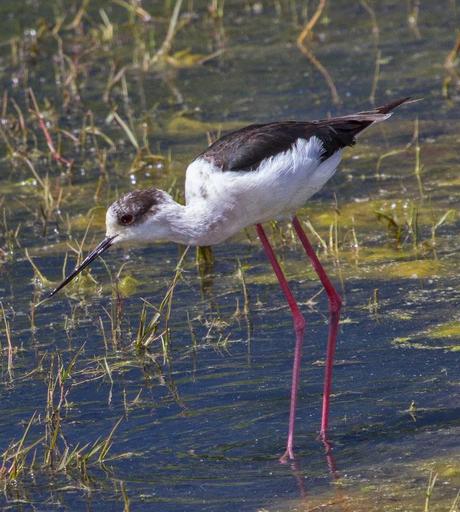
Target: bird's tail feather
(389,107)
(346,128)
(377,114)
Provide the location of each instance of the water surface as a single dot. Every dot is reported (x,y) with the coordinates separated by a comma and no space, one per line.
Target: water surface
(202,428)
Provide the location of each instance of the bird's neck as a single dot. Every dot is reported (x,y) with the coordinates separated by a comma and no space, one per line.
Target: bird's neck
(197,223)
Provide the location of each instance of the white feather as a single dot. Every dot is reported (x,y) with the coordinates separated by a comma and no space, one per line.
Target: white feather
(277,188)
(220,204)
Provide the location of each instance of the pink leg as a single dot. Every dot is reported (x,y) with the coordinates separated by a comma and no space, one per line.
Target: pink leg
(335,302)
(299,327)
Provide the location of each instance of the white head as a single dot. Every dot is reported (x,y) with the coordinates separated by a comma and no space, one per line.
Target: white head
(138,216)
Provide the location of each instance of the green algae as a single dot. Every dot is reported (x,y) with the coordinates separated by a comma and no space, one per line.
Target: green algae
(448,330)
(95,218)
(418,269)
(369,255)
(377,263)
(401,315)
(141,97)
(401,490)
(442,332)
(83,284)
(128,285)
(185,58)
(364,214)
(181,124)
(448,470)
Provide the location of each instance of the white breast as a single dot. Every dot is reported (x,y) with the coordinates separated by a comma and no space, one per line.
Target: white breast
(279,186)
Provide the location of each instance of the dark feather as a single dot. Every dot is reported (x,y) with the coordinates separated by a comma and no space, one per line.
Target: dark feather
(244,149)
(134,205)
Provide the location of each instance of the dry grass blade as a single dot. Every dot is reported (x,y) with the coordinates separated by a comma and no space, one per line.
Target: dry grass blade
(17,453)
(146,332)
(106,445)
(75,23)
(418,168)
(439,223)
(241,276)
(317,236)
(412,18)
(135,9)
(449,66)
(373,17)
(165,48)
(127,130)
(9,341)
(67,372)
(429,490)
(306,50)
(394,152)
(453,54)
(41,121)
(30,165)
(455,504)
(308,29)
(378,53)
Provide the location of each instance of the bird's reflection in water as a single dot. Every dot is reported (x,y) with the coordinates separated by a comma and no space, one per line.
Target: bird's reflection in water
(205,264)
(340,500)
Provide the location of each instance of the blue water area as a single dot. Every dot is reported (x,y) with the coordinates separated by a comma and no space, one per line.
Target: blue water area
(203,409)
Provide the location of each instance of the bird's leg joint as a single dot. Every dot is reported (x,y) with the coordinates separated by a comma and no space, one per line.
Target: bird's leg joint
(335,302)
(299,323)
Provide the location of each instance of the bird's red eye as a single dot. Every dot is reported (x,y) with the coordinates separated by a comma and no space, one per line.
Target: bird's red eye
(126,219)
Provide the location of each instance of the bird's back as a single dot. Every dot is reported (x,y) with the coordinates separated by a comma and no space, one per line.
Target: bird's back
(264,171)
(244,149)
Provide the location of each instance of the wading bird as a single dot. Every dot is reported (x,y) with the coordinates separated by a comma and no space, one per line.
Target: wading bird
(249,176)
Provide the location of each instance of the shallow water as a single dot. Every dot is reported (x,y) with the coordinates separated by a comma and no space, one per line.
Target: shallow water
(202,428)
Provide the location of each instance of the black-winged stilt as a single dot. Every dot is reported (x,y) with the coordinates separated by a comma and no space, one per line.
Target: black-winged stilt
(249,176)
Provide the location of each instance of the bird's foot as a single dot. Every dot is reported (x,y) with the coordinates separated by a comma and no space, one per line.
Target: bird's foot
(288,455)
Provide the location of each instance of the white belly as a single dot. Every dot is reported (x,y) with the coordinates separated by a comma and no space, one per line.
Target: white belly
(278,187)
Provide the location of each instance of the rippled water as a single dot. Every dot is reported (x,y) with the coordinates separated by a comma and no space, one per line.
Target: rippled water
(203,428)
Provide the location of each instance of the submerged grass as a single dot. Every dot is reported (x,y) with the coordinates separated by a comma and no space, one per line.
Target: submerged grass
(9,349)
(43,446)
(147,329)
(98,100)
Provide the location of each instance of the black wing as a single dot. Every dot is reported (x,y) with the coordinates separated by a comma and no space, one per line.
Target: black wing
(244,149)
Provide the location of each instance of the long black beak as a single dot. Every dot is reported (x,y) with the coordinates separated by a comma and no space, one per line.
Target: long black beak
(102,247)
